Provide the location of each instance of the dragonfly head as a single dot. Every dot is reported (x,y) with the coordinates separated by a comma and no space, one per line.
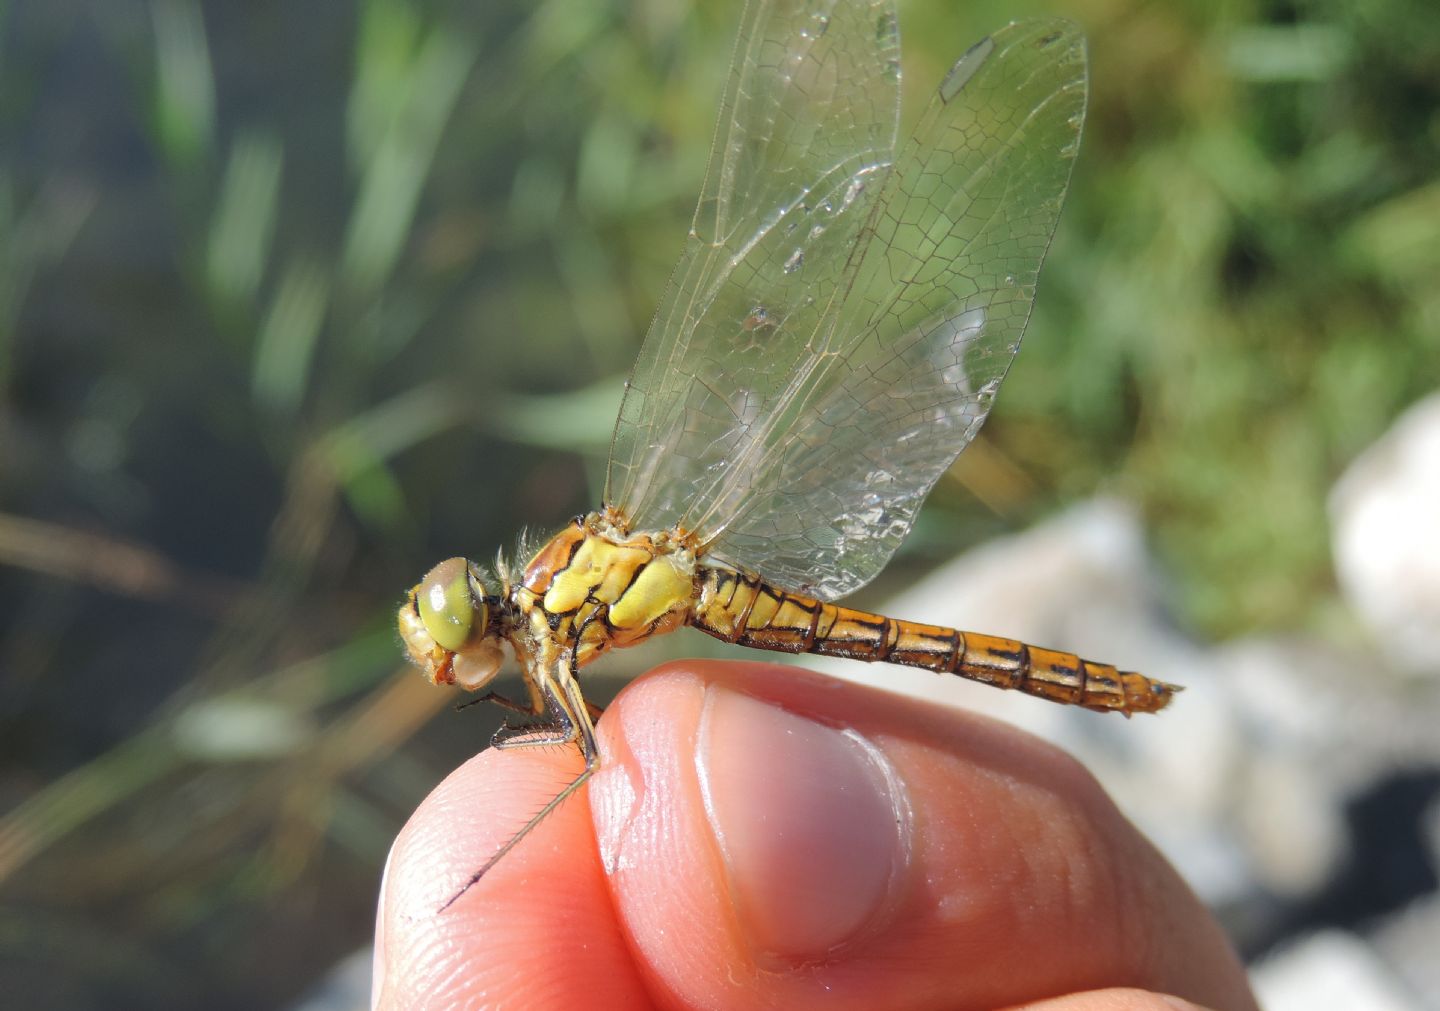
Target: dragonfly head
(450,628)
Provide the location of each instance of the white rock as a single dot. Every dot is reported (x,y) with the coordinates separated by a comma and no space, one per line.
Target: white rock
(1385,520)
(1287,791)
(1329,970)
(1408,941)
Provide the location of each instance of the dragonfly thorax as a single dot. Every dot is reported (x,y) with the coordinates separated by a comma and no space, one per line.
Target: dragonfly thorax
(596,586)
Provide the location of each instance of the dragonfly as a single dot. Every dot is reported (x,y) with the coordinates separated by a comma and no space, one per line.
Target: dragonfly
(831,339)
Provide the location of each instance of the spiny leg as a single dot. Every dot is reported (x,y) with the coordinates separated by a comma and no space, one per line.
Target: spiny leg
(572,725)
(560,730)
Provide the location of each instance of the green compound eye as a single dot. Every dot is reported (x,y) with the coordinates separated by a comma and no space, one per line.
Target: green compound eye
(449,609)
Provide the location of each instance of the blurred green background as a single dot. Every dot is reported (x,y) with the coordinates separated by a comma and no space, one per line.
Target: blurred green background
(298,298)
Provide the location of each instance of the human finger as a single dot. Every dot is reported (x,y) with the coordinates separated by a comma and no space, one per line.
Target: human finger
(777,838)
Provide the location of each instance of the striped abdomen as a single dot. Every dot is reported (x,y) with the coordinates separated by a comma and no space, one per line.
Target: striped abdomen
(742,608)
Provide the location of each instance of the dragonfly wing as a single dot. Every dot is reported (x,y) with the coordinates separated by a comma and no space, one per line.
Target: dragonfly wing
(805,138)
(907,374)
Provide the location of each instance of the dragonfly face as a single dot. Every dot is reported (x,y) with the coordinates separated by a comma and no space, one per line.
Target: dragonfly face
(452,627)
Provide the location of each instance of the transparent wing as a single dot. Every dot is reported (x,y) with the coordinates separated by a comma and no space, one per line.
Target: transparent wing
(839,467)
(805,137)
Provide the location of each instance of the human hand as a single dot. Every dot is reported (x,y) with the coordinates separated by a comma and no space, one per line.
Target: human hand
(759,836)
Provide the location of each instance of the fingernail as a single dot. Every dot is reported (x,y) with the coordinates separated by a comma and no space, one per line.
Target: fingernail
(811,820)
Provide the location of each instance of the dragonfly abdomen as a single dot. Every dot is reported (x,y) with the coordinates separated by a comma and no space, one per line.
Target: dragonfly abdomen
(741,608)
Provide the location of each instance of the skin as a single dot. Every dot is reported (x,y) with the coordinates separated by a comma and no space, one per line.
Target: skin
(777,839)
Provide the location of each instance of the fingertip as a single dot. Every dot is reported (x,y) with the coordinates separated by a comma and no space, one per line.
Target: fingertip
(768,792)
(537,930)
(721,842)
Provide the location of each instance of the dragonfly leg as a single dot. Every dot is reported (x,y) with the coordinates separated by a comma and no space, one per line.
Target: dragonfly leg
(600,613)
(536,734)
(572,723)
(560,730)
(532,735)
(499,700)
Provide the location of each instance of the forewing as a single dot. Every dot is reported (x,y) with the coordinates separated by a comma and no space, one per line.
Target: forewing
(805,138)
(941,300)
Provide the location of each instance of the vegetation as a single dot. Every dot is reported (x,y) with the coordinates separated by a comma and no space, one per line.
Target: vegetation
(296,299)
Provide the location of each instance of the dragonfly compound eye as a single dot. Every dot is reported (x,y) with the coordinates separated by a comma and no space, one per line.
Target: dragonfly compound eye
(451,601)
